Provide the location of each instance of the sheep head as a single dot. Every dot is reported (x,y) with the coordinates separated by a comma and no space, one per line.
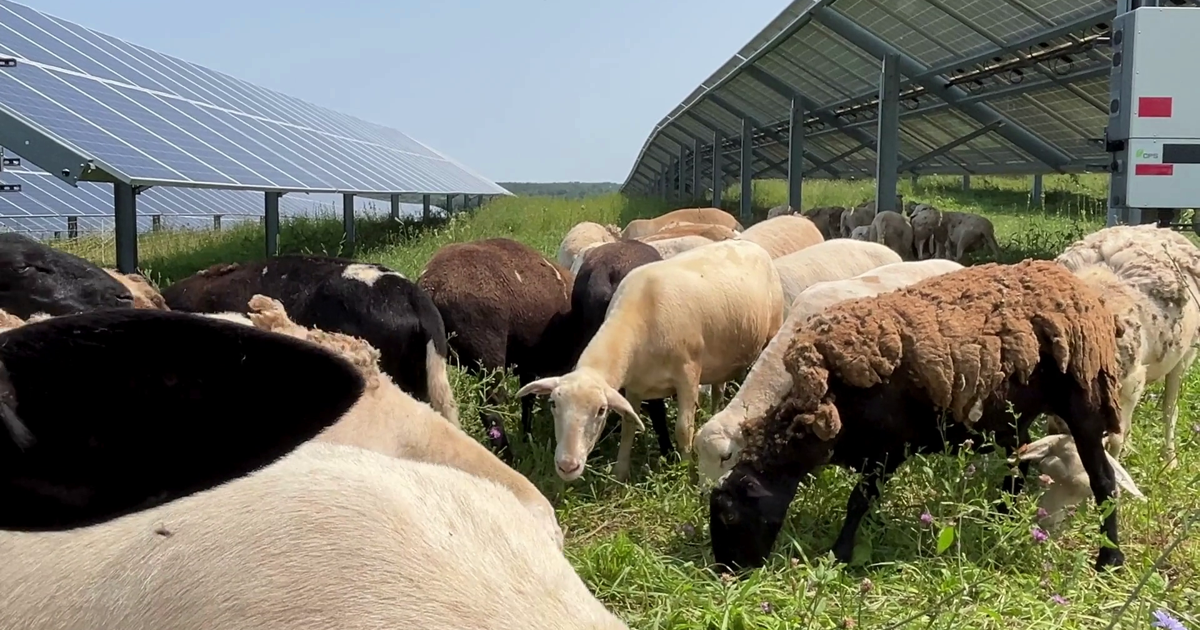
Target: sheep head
(580,402)
(717,445)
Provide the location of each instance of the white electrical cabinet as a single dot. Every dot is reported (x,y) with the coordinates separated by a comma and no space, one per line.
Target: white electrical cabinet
(1154,125)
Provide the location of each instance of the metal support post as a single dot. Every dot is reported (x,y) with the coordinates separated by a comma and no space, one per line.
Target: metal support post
(395,199)
(72,227)
(795,154)
(449,204)
(426,207)
(747,166)
(887,164)
(718,173)
(966,183)
(1036,193)
(348,224)
(271,214)
(125,223)
(680,189)
(696,194)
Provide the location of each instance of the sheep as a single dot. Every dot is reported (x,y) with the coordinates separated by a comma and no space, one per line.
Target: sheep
(857,217)
(784,234)
(893,230)
(504,304)
(928,231)
(837,259)
(865,233)
(966,232)
(873,378)
(678,229)
(144,293)
(1150,278)
(580,236)
(339,295)
(779,211)
(1057,458)
(162,405)
(583,254)
(671,247)
(388,421)
(639,228)
(827,219)
(720,439)
(330,536)
(698,318)
(35,277)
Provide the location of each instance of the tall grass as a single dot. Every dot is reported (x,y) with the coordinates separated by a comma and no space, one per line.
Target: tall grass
(643,547)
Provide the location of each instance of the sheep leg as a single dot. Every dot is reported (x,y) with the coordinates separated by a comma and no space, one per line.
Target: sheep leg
(1012,485)
(687,388)
(1086,429)
(657,411)
(717,400)
(875,474)
(628,433)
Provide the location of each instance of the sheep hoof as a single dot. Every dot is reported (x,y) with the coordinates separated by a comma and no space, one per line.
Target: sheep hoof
(1109,558)
(842,552)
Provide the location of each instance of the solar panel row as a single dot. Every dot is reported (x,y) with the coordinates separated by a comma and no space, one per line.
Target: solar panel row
(148,118)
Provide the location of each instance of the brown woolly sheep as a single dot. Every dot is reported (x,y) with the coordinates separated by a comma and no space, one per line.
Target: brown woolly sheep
(503,304)
(827,219)
(638,228)
(783,235)
(873,378)
(144,293)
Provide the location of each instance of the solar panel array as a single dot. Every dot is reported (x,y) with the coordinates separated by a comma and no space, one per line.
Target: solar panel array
(146,118)
(1025,84)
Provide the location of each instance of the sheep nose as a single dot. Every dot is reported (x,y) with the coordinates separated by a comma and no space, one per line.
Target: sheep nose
(569,467)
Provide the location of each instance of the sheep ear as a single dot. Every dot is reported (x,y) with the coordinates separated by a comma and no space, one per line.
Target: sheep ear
(620,404)
(1038,450)
(541,387)
(1124,479)
(115,411)
(755,489)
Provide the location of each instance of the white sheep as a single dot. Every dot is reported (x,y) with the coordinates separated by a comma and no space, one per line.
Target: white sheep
(671,247)
(1057,458)
(835,259)
(387,420)
(783,234)
(720,439)
(639,228)
(329,536)
(580,236)
(1150,279)
(698,318)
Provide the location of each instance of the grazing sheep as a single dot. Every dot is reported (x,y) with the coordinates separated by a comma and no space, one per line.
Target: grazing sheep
(368,301)
(200,418)
(966,232)
(893,230)
(35,277)
(639,228)
(1150,279)
(1057,458)
(388,421)
(779,211)
(837,259)
(504,304)
(677,229)
(144,293)
(330,536)
(857,217)
(580,236)
(929,233)
(784,234)
(720,440)
(864,233)
(671,247)
(827,219)
(698,318)
(921,369)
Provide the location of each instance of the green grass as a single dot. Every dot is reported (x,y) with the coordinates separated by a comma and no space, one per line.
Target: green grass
(643,547)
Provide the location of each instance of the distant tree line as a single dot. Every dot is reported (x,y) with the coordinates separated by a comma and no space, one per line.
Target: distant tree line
(568,190)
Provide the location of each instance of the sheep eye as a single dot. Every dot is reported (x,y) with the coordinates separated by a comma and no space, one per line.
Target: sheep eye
(725,457)
(601,412)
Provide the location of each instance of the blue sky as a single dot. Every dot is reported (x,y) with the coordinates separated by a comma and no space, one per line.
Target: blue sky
(518,90)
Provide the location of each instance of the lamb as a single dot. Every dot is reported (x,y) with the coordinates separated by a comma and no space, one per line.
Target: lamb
(857,217)
(783,235)
(1057,458)
(828,220)
(966,232)
(698,318)
(388,421)
(1150,278)
(893,230)
(928,231)
(872,377)
(339,295)
(837,259)
(81,459)
(582,235)
(35,277)
(671,247)
(678,229)
(865,233)
(504,304)
(144,293)
(330,536)
(720,440)
(639,228)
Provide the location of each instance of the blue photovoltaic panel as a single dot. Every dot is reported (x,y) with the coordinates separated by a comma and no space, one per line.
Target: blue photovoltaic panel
(154,119)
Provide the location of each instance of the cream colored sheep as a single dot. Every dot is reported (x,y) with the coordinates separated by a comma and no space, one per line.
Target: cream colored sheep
(387,420)
(710,231)
(1150,279)
(1057,458)
(582,256)
(672,247)
(835,259)
(144,293)
(720,439)
(582,235)
(329,536)
(698,318)
(638,228)
(784,234)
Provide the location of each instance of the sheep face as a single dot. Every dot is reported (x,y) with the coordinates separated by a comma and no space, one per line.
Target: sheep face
(746,513)
(717,446)
(580,402)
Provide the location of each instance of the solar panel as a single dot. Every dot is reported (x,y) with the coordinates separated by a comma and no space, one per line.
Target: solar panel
(146,118)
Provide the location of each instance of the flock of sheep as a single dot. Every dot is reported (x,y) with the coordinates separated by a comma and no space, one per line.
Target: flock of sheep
(851,352)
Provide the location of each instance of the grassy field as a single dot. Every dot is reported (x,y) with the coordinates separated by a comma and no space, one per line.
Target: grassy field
(643,546)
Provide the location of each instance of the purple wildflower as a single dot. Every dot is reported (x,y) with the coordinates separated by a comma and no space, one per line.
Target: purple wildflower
(494,432)
(1164,620)
(970,472)
(1042,514)
(1039,534)
(1059,599)
(765,607)
(926,518)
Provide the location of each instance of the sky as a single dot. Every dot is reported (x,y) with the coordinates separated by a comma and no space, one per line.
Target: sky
(516,90)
